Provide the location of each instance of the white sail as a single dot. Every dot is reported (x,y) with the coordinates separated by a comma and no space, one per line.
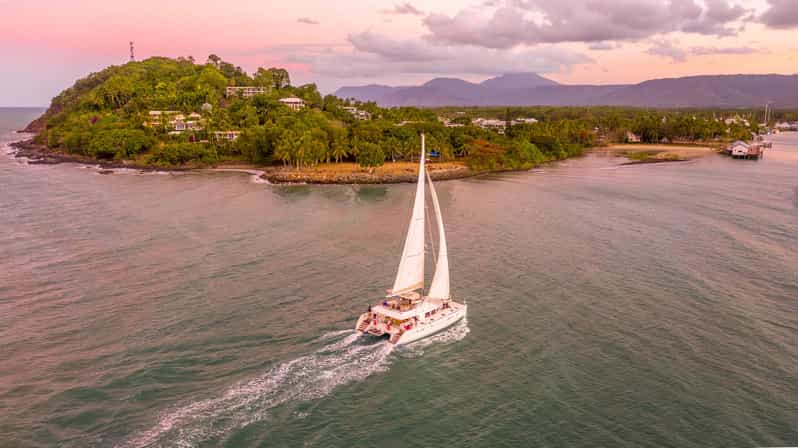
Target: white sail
(440,281)
(411,267)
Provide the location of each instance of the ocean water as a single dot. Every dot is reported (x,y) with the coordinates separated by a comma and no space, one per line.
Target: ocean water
(624,306)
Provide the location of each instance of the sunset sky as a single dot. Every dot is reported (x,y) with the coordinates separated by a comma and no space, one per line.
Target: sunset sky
(46,44)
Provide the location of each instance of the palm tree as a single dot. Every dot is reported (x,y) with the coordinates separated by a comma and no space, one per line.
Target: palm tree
(285,147)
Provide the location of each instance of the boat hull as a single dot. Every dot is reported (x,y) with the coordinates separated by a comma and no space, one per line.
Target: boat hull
(424,328)
(423,331)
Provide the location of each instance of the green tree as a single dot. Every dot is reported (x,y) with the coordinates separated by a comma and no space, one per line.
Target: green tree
(370,155)
(280,78)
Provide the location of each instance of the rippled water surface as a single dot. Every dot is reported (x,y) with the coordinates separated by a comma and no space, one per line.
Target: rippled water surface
(651,305)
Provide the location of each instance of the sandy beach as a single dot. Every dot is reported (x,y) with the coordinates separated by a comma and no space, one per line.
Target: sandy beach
(655,153)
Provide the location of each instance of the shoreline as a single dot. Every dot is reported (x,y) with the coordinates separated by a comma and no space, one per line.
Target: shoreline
(646,153)
(348,173)
(40,155)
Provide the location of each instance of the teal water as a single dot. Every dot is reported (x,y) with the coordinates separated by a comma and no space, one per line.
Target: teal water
(650,305)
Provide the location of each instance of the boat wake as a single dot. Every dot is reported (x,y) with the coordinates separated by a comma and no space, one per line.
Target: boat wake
(456,332)
(309,377)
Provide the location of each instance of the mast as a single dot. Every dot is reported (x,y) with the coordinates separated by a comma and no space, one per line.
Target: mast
(410,275)
(440,281)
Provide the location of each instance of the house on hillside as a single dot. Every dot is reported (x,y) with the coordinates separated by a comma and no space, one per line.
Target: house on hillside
(158,117)
(357,113)
(524,121)
(245,91)
(226,136)
(296,104)
(631,137)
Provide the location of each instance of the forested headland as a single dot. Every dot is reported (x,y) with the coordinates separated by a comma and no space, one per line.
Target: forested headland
(180,113)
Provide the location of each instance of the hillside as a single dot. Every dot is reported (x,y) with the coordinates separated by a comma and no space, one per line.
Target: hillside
(722,91)
(177,113)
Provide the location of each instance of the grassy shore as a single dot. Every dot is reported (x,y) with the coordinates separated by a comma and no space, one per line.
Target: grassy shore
(656,153)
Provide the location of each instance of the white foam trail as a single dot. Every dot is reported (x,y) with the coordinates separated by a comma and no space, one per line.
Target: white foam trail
(334,334)
(456,332)
(305,378)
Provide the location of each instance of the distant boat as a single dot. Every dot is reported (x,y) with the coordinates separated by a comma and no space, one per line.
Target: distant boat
(406,314)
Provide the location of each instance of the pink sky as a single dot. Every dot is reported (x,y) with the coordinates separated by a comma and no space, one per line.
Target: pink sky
(47,44)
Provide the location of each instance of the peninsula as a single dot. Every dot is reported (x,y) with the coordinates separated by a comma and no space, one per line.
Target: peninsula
(178,114)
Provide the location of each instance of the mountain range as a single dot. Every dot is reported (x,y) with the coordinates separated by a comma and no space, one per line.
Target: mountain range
(531,89)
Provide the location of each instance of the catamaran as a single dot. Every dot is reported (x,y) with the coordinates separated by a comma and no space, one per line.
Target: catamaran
(406,314)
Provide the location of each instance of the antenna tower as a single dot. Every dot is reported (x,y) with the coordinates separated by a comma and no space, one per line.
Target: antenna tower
(132,54)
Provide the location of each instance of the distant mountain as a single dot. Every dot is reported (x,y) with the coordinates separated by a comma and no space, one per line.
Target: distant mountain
(371,92)
(709,91)
(531,89)
(518,81)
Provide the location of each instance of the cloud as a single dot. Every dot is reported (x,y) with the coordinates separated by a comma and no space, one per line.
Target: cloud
(781,14)
(530,22)
(601,46)
(392,49)
(374,55)
(307,21)
(704,51)
(404,8)
(716,19)
(668,49)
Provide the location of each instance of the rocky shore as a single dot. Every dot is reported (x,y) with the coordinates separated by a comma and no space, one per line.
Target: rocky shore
(41,155)
(310,176)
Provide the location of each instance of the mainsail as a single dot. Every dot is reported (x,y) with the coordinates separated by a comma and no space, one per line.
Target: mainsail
(411,267)
(440,281)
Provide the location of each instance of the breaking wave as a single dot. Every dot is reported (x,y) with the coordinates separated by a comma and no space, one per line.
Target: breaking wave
(305,378)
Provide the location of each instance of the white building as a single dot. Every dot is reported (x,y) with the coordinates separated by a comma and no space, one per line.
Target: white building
(631,137)
(448,123)
(293,102)
(736,120)
(740,149)
(159,117)
(229,136)
(357,113)
(163,113)
(245,92)
(491,124)
(524,121)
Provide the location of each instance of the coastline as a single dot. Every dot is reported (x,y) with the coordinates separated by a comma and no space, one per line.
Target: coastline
(41,155)
(643,153)
(348,173)
(344,173)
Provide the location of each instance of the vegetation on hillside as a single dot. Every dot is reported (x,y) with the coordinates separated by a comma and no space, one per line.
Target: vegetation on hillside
(610,124)
(123,113)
